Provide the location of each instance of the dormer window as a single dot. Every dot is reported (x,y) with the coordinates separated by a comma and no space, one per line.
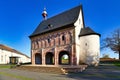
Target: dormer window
(50,26)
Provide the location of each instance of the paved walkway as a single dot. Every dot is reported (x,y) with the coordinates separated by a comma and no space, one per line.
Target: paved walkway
(103,72)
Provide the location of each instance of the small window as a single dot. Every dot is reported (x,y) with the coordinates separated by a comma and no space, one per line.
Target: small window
(63,37)
(48,40)
(1,58)
(86,44)
(79,21)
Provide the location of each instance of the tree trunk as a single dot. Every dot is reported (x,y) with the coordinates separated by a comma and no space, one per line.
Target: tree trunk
(119,54)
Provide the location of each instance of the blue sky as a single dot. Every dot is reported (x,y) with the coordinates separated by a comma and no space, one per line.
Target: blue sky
(19,18)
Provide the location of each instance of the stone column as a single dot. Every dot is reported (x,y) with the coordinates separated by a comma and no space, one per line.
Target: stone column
(43,58)
(33,58)
(56,57)
(73,56)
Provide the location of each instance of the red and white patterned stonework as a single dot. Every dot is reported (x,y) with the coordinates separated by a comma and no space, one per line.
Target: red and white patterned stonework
(54,42)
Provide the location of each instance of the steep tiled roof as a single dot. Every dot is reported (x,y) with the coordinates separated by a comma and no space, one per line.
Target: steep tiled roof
(66,18)
(4,47)
(87,31)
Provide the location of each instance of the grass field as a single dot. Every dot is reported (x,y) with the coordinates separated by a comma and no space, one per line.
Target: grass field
(116,64)
(110,61)
(65,61)
(6,66)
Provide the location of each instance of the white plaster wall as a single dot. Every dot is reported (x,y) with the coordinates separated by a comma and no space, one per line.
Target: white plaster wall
(78,25)
(90,49)
(7,54)
(3,56)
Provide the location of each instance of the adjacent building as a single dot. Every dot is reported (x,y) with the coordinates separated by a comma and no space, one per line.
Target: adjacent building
(9,55)
(64,34)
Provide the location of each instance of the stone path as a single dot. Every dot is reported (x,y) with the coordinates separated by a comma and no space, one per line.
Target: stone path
(103,72)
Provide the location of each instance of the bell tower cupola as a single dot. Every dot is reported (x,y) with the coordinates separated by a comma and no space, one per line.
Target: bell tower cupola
(44,14)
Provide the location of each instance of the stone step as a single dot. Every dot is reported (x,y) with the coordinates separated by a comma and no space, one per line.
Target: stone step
(74,69)
(58,70)
(41,69)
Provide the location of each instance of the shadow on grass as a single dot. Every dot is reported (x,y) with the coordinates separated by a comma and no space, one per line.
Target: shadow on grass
(106,72)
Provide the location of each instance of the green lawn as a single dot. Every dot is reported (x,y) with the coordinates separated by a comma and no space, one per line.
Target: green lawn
(117,64)
(65,61)
(113,62)
(15,76)
(6,66)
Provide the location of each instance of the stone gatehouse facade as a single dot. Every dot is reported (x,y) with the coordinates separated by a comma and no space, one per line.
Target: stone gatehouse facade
(64,34)
(53,46)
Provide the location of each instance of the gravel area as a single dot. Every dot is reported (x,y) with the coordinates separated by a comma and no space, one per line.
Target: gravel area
(28,75)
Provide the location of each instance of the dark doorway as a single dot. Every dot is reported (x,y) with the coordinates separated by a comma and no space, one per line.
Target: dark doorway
(49,58)
(64,58)
(13,60)
(38,59)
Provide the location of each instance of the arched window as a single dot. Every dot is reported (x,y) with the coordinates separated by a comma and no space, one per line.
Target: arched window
(63,38)
(48,40)
(1,57)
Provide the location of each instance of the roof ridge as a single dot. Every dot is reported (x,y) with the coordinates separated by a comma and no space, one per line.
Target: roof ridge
(62,19)
(63,12)
(5,47)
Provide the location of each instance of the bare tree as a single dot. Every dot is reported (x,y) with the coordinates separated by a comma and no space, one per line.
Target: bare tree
(113,42)
(105,56)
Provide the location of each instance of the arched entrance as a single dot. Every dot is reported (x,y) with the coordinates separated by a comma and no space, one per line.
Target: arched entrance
(64,58)
(38,58)
(49,58)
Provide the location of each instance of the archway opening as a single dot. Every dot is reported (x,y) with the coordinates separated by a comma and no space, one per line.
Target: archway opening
(64,58)
(49,58)
(38,58)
